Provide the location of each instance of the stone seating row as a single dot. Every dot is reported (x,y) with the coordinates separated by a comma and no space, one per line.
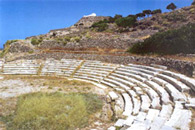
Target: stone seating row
(60,68)
(27,67)
(152,84)
(94,70)
(171,123)
(153,98)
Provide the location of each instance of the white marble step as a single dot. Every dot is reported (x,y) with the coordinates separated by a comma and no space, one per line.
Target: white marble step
(175,93)
(122,80)
(103,68)
(138,77)
(146,103)
(91,76)
(149,72)
(147,67)
(135,72)
(158,123)
(108,84)
(152,114)
(95,72)
(166,111)
(138,126)
(178,84)
(161,91)
(188,81)
(129,120)
(113,95)
(136,102)
(153,95)
(87,78)
(119,123)
(180,119)
(128,105)
(117,83)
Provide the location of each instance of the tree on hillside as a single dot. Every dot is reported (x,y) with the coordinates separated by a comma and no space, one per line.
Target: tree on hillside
(171,6)
(140,15)
(126,21)
(193,3)
(156,11)
(117,16)
(147,12)
(111,19)
(131,15)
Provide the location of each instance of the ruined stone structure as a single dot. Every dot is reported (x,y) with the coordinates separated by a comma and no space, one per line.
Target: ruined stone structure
(152,97)
(88,21)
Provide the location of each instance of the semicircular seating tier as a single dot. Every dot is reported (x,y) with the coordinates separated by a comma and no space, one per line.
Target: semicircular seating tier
(151,98)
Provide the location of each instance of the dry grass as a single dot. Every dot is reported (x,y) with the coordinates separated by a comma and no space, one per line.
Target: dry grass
(49,79)
(7,106)
(54,83)
(49,111)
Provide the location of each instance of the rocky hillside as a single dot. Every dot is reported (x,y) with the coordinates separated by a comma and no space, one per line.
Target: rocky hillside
(87,36)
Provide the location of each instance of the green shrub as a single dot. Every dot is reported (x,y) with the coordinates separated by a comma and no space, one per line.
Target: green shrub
(67,38)
(170,42)
(30,52)
(111,20)
(75,39)
(88,36)
(6,47)
(101,25)
(59,39)
(126,22)
(53,111)
(10,41)
(35,41)
(64,43)
(117,16)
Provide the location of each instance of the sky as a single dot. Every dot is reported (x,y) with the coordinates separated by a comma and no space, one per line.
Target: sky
(22,18)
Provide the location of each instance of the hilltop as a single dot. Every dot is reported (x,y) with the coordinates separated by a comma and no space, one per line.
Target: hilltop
(115,73)
(100,34)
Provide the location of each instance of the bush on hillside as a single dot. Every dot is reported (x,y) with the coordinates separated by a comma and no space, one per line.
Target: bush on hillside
(157,11)
(117,16)
(101,25)
(170,42)
(36,41)
(126,21)
(6,47)
(9,42)
(111,19)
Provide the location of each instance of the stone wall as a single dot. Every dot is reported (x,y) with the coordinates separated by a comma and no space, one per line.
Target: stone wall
(18,47)
(183,67)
